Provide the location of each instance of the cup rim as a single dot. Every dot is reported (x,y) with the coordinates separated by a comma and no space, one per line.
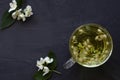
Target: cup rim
(110,53)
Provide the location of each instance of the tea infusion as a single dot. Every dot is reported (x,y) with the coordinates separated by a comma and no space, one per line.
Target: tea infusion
(90,45)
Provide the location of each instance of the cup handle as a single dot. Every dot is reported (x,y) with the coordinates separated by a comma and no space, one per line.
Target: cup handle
(69,63)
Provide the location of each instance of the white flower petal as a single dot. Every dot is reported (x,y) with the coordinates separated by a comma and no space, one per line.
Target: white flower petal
(13,5)
(16,13)
(45,70)
(21,16)
(39,65)
(29,8)
(14,1)
(42,61)
(48,60)
(28,11)
(19,10)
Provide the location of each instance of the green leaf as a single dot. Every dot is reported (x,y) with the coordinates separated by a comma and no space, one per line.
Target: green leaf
(39,76)
(6,20)
(48,76)
(53,65)
(19,3)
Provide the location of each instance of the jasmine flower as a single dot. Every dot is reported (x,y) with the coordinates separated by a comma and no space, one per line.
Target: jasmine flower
(42,64)
(48,60)
(45,70)
(13,5)
(28,11)
(21,16)
(16,13)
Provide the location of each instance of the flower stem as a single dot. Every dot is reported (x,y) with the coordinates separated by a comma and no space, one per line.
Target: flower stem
(56,71)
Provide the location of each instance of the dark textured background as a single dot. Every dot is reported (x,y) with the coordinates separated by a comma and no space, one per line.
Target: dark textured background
(49,29)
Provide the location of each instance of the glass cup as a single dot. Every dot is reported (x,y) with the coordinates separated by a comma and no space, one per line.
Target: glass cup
(90,46)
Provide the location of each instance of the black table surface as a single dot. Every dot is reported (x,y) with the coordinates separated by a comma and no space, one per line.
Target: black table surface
(50,29)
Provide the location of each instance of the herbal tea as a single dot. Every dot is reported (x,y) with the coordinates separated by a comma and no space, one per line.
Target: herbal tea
(90,45)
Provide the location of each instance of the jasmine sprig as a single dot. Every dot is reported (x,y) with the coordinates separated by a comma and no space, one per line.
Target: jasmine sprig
(15,13)
(46,66)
